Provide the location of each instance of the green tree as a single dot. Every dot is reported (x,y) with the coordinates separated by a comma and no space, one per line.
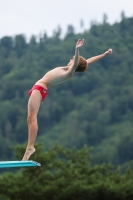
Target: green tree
(66,174)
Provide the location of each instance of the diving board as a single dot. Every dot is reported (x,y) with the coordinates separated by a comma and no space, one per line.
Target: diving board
(28,163)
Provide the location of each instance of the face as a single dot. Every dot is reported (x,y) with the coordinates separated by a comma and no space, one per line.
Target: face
(70,62)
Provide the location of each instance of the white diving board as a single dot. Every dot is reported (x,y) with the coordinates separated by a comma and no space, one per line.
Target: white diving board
(28,163)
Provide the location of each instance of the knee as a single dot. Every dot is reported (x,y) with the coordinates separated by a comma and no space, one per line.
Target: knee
(31,118)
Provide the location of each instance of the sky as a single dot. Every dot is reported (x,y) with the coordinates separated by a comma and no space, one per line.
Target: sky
(34,17)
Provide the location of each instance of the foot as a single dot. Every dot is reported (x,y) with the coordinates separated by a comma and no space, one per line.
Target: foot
(29,151)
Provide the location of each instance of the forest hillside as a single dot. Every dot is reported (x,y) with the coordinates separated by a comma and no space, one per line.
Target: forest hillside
(93,108)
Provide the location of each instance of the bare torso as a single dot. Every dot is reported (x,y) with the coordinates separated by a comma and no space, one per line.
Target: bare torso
(55,76)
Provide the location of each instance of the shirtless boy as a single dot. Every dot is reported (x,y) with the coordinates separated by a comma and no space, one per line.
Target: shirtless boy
(40,90)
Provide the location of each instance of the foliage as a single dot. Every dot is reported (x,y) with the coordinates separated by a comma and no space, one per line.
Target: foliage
(94,108)
(66,174)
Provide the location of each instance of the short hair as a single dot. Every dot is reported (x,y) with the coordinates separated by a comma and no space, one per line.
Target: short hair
(82,66)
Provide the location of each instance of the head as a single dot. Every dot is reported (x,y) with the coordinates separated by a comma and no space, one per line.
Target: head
(82,66)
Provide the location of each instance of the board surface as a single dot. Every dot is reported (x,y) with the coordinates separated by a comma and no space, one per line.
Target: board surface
(28,163)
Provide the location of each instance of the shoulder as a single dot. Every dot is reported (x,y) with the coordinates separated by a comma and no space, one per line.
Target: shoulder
(68,71)
(66,68)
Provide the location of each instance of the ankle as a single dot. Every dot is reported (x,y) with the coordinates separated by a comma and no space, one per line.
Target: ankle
(30,147)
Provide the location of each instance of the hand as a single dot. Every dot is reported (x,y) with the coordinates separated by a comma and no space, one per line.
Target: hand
(79,43)
(108,52)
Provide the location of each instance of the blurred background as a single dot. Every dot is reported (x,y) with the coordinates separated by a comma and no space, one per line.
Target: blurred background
(94,108)
(34,17)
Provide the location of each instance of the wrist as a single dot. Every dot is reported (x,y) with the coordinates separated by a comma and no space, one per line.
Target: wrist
(105,54)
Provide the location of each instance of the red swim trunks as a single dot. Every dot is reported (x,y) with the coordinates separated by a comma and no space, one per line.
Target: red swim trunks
(42,90)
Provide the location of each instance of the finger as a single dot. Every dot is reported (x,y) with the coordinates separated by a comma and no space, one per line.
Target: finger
(82,41)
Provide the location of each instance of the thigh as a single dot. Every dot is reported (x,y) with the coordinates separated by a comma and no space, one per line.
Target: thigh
(34,102)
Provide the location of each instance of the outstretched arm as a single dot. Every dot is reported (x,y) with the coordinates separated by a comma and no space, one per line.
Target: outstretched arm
(76,56)
(96,58)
